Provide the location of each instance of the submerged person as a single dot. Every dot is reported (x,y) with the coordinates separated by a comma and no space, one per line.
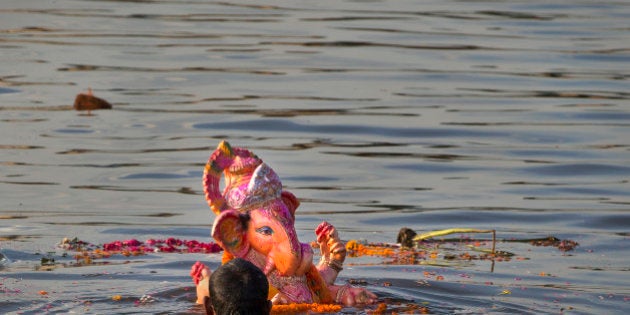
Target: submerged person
(236,288)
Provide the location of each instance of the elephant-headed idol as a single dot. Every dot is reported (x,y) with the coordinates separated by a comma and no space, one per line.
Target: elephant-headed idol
(255,221)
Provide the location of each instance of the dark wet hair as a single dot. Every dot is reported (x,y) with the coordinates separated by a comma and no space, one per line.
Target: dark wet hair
(239,288)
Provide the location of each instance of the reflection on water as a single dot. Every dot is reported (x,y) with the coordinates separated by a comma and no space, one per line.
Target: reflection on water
(377,114)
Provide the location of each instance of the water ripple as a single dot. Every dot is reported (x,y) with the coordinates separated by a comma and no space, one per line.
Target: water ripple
(290,126)
(579,170)
(509,115)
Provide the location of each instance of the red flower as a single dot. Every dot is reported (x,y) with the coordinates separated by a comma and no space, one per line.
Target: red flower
(131,242)
(195,272)
(113,246)
(171,241)
(167,249)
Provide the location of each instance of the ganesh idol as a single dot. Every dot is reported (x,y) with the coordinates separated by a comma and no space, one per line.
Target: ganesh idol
(255,221)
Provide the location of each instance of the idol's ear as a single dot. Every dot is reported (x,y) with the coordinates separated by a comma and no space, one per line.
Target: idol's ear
(220,159)
(236,165)
(290,201)
(230,232)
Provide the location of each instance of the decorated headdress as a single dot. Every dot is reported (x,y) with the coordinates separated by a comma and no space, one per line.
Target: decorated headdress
(249,183)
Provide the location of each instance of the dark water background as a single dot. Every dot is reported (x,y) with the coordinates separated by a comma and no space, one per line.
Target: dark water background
(506,115)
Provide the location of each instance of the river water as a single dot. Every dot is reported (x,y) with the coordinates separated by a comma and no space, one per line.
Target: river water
(378,115)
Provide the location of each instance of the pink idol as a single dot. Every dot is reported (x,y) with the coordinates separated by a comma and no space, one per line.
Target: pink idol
(255,221)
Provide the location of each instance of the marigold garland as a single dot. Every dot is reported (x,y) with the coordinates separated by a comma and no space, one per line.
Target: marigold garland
(295,308)
(356,249)
(397,255)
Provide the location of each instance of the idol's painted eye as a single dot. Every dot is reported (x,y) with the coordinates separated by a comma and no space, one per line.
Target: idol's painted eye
(265,230)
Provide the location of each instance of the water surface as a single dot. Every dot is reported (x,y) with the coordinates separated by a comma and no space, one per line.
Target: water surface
(506,115)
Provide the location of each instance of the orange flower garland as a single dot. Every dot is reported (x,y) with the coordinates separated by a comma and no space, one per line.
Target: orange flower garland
(356,249)
(296,308)
(411,256)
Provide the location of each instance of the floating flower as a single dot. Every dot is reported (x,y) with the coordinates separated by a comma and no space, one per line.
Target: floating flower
(171,241)
(133,247)
(131,242)
(116,297)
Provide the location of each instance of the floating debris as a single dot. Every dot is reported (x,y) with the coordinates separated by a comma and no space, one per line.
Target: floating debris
(457,230)
(391,307)
(562,245)
(89,102)
(406,237)
(146,299)
(47,261)
(414,249)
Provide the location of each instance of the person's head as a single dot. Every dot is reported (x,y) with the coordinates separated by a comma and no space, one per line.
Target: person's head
(238,288)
